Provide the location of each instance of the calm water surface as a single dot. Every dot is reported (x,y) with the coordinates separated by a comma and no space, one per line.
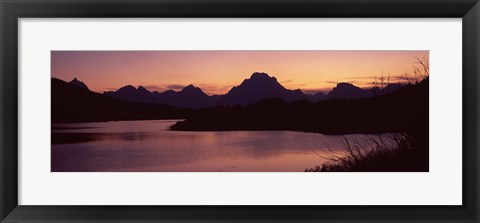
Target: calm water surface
(150,146)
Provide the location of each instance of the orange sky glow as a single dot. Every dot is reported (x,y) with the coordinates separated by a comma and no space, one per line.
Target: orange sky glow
(215,72)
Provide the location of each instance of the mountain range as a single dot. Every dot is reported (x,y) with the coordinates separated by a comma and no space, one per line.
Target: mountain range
(73,102)
(258,87)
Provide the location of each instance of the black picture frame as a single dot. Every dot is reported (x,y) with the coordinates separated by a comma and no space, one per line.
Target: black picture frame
(11,11)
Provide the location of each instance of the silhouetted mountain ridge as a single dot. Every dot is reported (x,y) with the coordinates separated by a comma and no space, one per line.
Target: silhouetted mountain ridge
(71,103)
(258,87)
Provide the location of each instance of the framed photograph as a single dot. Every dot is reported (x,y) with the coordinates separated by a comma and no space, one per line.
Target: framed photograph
(227,111)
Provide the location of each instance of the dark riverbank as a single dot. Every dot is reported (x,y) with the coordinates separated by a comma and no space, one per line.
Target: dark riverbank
(401,111)
(409,152)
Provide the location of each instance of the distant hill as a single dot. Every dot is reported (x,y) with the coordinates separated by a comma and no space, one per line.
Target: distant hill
(74,103)
(349,91)
(130,93)
(258,87)
(188,97)
(319,96)
(78,83)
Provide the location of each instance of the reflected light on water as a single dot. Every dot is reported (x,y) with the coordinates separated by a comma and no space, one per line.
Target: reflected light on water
(139,146)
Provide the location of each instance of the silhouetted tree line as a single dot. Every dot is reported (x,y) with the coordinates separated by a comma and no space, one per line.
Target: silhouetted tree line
(401,111)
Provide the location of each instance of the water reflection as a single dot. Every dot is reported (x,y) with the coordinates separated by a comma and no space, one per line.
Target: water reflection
(150,146)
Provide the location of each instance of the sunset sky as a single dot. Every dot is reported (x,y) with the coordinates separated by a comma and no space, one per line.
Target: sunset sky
(215,72)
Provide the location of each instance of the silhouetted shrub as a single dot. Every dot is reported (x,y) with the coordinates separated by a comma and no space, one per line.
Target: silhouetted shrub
(397,153)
